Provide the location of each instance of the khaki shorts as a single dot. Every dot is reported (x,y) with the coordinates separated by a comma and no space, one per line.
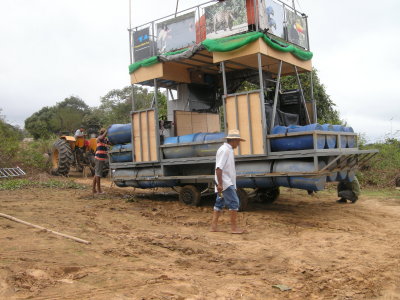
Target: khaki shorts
(98,167)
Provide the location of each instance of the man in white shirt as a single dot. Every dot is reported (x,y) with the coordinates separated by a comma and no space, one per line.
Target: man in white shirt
(80,132)
(225,179)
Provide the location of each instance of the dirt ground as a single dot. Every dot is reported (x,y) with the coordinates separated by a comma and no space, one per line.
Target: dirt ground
(150,246)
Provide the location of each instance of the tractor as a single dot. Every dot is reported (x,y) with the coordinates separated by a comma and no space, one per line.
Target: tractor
(79,153)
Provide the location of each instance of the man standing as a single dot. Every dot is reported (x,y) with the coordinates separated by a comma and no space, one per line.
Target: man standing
(225,178)
(100,159)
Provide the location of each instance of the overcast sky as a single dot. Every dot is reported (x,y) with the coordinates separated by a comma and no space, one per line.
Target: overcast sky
(50,50)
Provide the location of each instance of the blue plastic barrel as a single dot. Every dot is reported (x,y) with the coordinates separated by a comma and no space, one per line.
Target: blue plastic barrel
(343,139)
(214,136)
(149,184)
(279,129)
(302,142)
(199,137)
(188,138)
(121,153)
(341,175)
(251,168)
(171,140)
(298,182)
(119,133)
(351,139)
(351,174)
(333,175)
(330,139)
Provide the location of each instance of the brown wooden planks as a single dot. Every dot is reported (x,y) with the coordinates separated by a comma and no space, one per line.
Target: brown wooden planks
(238,110)
(188,122)
(145,136)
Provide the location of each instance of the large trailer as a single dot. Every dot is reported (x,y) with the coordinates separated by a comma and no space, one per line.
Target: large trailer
(221,65)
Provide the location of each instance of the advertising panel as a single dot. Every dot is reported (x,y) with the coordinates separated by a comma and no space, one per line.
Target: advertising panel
(225,18)
(296,29)
(141,44)
(176,33)
(271,16)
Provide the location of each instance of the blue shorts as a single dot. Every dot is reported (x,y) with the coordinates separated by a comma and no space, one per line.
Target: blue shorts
(230,200)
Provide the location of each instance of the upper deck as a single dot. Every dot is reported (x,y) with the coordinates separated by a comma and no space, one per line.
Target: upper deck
(190,44)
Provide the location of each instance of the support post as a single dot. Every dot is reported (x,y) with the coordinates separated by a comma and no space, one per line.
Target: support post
(262,103)
(302,95)
(222,69)
(314,103)
(277,86)
(156,119)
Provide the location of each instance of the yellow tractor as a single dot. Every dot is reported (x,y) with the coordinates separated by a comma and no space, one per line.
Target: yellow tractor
(69,151)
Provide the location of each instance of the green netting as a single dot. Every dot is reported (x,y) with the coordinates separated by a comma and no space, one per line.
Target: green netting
(232,43)
(150,61)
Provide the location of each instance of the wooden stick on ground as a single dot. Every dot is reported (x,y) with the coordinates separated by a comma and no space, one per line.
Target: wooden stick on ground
(42,228)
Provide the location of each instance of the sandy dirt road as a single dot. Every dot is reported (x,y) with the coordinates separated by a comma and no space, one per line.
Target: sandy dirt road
(153,247)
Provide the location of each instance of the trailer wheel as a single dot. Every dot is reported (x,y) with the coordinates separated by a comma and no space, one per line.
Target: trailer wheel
(268,195)
(190,195)
(243,199)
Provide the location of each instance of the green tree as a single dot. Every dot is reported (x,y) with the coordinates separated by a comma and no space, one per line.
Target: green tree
(42,124)
(65,116)
(116,105)
(69,113)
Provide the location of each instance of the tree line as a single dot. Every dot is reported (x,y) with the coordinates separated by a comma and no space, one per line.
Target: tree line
(71,113)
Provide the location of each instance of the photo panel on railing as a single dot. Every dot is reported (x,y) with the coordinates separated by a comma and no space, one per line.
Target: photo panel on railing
(176,33)
(296,26)
(225,18)
(272,17)
(142,42)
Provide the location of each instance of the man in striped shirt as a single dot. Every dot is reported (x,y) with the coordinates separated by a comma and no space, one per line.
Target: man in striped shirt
(100,159)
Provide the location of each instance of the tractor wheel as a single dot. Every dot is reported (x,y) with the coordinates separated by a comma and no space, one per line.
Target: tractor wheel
(190,195)
(61,158)
(243,199)
(268,195)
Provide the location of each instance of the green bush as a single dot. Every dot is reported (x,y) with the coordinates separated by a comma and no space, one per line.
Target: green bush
(33,154)
(384,168)
(10,139)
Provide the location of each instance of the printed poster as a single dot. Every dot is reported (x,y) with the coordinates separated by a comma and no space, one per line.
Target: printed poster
(296,29)
(272,17)
(141,44)
(176,33)
(225,18)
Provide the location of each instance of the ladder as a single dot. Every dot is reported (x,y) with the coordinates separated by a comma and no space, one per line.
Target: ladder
(11,172)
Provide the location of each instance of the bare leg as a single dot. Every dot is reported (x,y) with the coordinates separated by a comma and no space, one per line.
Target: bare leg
(214,222)
(94,185)
(98,185)
(234,226)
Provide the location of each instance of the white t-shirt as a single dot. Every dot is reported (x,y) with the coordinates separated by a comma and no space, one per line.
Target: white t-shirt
(225,160)
(79,133)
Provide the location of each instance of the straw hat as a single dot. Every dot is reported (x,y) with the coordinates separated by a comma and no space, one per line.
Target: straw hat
(234,134)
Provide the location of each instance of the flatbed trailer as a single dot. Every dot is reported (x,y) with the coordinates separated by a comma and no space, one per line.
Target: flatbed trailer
(284,146)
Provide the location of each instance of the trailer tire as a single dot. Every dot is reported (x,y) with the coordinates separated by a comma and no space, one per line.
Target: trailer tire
(243,199)
(190,195)
(61,158)
(268,195)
